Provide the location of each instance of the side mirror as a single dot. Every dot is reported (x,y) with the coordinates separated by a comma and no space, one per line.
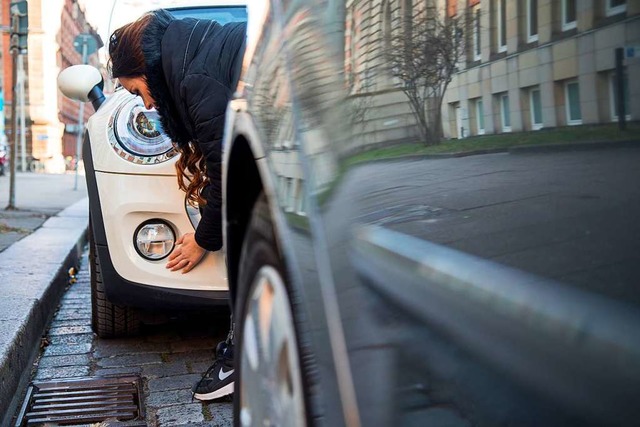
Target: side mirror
(82,83)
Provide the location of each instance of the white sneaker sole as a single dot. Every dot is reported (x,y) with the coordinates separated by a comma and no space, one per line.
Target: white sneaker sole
(222,392)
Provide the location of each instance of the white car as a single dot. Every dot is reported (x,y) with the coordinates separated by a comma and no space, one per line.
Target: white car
(137,211)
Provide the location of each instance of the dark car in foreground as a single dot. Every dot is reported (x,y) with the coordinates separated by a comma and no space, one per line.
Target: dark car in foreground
(495,289)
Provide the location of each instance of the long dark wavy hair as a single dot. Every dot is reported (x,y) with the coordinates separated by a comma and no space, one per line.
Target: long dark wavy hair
(129,58)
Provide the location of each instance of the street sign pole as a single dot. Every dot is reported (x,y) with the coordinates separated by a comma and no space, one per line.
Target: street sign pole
(23,126)
(18,44)
(14,128)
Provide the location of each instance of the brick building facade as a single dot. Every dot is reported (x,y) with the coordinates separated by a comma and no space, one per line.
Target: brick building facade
(50,49)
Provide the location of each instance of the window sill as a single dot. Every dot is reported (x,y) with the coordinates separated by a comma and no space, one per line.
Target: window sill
(564,34)
(616,10)
(497,55)
(627,118)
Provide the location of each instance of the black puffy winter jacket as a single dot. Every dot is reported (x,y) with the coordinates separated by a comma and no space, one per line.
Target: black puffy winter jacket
(192,70)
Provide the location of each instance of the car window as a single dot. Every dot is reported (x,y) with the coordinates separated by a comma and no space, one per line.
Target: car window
(223,15)
(126,11)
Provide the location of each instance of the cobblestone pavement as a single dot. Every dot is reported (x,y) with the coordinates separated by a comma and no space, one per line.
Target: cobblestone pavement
(169,357)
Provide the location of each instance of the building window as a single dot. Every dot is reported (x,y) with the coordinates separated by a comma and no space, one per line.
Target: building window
(407,18)
(532,21)
(615,7)
(536,109)
(300,198)
(613,90)
(386,26)
(290,194)
(502,25)
(477,34)
(353,52)
(282,189)
(353,45)
(505,113)
(480,116)
(572,102)
(568,15)
(388,34)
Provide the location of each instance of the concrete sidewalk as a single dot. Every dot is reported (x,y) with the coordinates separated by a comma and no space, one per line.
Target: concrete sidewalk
(33,276)
(38,196)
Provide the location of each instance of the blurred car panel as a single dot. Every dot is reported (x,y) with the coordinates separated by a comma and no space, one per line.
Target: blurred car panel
(470,289)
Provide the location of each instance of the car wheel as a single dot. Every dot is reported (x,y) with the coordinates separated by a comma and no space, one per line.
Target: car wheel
(269,374)
(108,320)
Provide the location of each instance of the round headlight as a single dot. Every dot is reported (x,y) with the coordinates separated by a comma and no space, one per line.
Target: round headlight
(138,130)
(154,239)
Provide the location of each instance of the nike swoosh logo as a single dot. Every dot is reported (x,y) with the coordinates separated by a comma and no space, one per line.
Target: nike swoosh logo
(223,375)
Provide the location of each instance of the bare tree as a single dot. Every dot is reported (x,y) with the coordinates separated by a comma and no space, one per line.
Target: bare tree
(423,55)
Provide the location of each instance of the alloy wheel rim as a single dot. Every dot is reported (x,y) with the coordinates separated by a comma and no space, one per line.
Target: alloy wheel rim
(271,391)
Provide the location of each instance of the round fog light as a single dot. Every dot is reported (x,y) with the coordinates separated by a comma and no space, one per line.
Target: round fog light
(154,239)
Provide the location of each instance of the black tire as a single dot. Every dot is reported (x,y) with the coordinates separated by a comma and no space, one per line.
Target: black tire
(259,249)
(108,320)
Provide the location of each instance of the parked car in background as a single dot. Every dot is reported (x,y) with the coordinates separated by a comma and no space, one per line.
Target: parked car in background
(136,209)
(478,289)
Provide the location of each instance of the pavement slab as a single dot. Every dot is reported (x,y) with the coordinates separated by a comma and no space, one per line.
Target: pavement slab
(176,382)
(59,349)
(64,372)
(14,225)
(166,369)
(126,360)
(71,339)
(65,360)
(179,415)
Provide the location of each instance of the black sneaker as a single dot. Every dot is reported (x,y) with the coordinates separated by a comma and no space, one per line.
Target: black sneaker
(217,381)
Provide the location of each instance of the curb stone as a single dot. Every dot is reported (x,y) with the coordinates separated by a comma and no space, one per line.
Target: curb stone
(33,276)
(521,149)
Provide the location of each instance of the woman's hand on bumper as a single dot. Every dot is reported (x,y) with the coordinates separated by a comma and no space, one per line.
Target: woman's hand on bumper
(186,255)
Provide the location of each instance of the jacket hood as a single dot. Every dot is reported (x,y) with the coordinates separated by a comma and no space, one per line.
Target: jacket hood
(157,80)
(187,47)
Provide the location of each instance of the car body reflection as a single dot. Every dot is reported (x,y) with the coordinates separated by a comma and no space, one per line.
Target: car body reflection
(485,289)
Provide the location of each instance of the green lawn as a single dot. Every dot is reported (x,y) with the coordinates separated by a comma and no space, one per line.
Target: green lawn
(504,141)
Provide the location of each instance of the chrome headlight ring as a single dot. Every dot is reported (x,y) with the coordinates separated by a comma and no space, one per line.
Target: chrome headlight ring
(154,239)
(136,134)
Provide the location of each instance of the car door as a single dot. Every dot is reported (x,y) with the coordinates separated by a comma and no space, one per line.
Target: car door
(459,289)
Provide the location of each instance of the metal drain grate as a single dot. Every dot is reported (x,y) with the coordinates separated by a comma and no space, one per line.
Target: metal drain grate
(81,401)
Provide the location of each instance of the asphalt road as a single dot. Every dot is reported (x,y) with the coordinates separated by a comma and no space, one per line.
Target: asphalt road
(569,216)
(169,357)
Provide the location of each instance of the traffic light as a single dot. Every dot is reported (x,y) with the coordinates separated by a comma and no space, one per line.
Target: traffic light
(19,24)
